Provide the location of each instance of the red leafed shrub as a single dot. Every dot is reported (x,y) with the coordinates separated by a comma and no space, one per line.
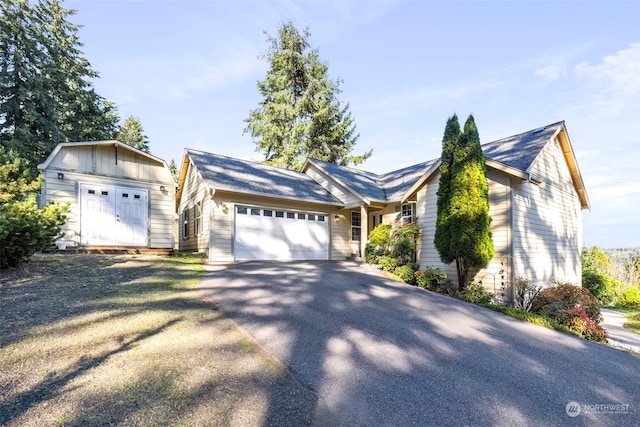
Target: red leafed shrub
(577,321)
(565,296)
(573,307)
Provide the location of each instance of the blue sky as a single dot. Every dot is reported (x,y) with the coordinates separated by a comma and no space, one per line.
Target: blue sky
(188,71)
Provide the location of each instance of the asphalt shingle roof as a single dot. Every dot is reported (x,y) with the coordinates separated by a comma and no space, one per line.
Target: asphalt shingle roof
(235,175)
(517,151)
(241,176)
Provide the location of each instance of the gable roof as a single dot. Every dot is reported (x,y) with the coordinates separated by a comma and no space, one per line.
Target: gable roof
(111,142)
(515,155)
(240,176)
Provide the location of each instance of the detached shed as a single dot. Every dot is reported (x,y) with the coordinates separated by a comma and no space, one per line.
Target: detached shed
(119,196)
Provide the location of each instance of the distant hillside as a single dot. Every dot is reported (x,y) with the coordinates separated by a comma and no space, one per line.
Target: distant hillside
(621,254)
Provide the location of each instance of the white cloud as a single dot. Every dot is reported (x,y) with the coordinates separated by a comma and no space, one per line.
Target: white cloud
(553,71)
(179,76)
(613,82)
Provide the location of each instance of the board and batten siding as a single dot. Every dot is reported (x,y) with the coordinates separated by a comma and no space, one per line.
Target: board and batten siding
(499,206)
(96,165)
(547,223)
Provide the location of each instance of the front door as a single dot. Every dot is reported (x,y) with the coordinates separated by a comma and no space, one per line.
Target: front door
(113,216)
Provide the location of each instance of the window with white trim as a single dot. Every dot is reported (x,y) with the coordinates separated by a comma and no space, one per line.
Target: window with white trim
(407,213)
(356,226)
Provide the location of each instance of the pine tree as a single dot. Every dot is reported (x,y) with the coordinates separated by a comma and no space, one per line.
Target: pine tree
(46,91)
(173,168)
(131,133)
(463,225)
(300,115)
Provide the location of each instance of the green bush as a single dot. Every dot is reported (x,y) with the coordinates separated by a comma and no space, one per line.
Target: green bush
(601,285)
(387,263)
(406,273)
(533,318)
(629,297)
(476,294)
(431,278)
(552,302)
(379,236)
(24,228)
(402,243)
(378,242)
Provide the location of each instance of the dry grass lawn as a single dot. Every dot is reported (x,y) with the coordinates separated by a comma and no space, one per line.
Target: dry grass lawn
(127,340)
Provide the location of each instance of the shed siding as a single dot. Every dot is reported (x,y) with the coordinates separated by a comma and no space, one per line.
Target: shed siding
(547,223)
(101,160)
(161,205)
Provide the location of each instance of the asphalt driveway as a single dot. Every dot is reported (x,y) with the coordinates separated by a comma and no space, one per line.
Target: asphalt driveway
(376,352)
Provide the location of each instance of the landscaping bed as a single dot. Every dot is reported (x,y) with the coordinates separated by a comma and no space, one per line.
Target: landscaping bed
(128,340)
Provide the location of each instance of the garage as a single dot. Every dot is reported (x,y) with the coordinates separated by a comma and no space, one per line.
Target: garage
(278,234)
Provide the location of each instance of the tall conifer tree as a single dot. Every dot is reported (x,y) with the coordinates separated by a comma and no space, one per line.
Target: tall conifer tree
(46,90)
(463,225)
(300,115)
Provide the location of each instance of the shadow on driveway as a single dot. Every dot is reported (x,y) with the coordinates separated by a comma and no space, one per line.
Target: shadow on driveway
(377,352)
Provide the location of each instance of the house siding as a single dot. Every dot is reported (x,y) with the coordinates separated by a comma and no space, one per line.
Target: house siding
(499,205)
(345,196)
(90,164)
(194,191)
(547,223)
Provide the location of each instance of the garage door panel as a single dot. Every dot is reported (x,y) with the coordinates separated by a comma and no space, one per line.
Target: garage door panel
(267,236)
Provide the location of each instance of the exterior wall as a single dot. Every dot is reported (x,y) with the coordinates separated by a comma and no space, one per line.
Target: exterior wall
(499,209)
(547,223)
(86,164)
(194,191)
(221,227)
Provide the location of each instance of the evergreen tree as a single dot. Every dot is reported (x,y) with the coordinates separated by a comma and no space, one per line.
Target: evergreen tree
(46,94)
(174,170)
(300,115)
(131,133)
(463,232)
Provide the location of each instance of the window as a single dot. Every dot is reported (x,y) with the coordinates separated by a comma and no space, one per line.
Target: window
(407,213)
(185,223)
(291,215)
(321,218)
(197,218)
(311,217)
(279,214)
(267,213)
(301,216)
(355,226)
(241,210)
(255,211)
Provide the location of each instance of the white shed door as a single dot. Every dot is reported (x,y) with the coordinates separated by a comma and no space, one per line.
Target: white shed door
(273,234)
(111,215)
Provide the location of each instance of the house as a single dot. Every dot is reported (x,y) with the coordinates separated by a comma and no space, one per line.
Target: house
(235,210)
(119,196)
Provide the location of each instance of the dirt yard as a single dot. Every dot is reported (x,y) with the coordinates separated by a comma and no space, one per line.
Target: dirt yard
(127,340)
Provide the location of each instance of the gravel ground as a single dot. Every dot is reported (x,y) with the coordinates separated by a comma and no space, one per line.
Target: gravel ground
(128,340)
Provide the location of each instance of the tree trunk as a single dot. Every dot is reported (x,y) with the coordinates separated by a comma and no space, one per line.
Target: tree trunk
(462,274)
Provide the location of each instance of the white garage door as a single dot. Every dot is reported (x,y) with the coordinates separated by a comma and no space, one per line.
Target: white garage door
(276,234)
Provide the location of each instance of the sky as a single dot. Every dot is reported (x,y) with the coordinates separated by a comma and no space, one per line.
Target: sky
(188,71)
